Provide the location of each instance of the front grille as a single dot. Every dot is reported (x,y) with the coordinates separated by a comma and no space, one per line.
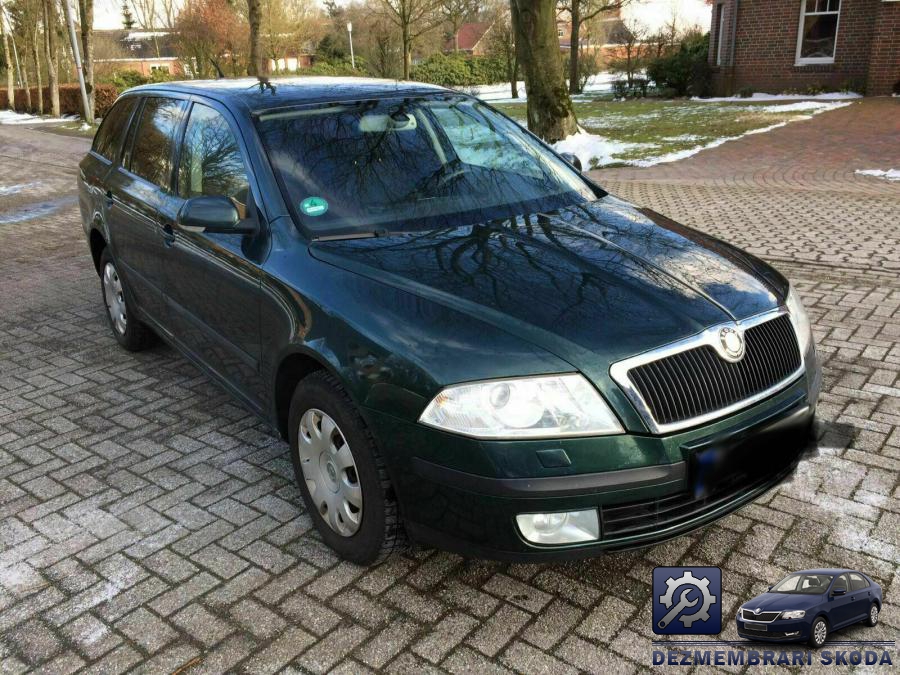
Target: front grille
(761,633)
(762,616)
(698,381)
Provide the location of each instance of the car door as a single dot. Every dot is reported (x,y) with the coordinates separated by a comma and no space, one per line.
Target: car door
(860,596)
(840,607)
(212,279)
(134,193)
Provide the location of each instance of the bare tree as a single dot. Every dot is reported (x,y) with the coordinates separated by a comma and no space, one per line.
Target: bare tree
(50,52)
(414,18)
(501,45)
(86,17)
(634,51)
(7,59)
(550,112)
(581,11)
(146,16)
(254,16)
(457,12)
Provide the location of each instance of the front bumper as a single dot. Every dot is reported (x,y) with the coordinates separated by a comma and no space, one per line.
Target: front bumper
(795,630)
(463,495)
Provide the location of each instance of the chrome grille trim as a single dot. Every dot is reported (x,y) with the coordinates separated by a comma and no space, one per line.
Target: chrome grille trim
(709,337)
(762,617)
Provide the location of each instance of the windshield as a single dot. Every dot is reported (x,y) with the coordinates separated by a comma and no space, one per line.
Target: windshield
(408,164)
(810,584)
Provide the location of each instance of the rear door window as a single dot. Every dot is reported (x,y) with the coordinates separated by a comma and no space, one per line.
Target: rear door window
(151,152)
(858,582)
(109,136)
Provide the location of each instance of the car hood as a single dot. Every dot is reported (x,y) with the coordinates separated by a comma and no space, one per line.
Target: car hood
(592,284)
(782,601)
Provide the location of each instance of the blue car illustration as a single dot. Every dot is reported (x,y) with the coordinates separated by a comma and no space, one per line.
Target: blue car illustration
(809,605)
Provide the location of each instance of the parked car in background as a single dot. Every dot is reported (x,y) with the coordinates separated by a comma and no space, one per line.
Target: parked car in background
(810,605)
(464,339)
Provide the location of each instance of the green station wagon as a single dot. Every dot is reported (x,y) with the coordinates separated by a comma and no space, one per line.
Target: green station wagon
(466,341)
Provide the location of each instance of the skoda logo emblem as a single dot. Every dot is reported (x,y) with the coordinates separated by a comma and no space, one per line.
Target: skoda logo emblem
(731,344)
(757,610)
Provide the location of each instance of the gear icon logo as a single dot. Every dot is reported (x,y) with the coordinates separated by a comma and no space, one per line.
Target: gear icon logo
(687,600)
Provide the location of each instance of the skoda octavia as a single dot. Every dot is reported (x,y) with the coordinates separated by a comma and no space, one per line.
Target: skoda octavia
(467,342)
(810,605)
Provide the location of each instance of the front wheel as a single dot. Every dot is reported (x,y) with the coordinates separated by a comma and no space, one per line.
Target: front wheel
(819,633)
(872,619)
(340,473)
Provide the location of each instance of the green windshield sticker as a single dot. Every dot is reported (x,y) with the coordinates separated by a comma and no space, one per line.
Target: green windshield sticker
(314,206)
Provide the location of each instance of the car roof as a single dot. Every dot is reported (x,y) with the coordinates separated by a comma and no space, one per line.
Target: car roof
(832,571)
(253,95)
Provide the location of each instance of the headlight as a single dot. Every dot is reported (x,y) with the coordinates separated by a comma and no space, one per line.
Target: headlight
(527,407)
(793,614)
(800,320)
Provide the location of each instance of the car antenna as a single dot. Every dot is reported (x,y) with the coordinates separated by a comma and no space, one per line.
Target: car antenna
(219,74)
(264,84)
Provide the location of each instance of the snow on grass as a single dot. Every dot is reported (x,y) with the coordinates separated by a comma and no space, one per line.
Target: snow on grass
(890,174)
(594,151)
(834,96)
(601,83)
(802,106)
(10,117)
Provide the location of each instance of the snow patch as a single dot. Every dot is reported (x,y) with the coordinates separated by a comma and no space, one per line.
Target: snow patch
(10,117)
(594,150)
(13,189)
(601,83)
(890,174)
(835,96)
(802,106)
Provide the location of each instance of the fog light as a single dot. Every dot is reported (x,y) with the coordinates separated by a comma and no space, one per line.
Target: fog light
(796,632)
(568,527)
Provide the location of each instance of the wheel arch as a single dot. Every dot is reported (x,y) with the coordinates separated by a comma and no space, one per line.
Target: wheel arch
(97,243)
(292,368)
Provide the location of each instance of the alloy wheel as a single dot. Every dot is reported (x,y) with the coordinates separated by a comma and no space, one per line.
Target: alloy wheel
(873,614)
(115,298)
(820,632)
(330,472)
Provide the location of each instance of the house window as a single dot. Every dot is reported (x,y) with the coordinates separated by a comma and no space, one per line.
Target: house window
(818,31)
(559,32)
(720,31)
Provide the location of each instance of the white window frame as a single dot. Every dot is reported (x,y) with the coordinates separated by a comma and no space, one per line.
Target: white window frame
(720,30)
(837,29)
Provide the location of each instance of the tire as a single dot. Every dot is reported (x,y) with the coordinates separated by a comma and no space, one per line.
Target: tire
(818,633)
(872,619)
(336,467)
(130,333)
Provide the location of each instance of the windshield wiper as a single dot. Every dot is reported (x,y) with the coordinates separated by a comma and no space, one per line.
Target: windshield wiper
(363,234)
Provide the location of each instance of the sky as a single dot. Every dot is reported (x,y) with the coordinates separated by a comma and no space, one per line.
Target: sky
(653,13)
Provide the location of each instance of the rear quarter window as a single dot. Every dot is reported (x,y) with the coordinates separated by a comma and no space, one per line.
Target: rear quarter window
(151,152)
(111,132)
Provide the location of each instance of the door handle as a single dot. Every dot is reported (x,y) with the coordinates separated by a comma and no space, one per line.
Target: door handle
(168,234)
(109,199)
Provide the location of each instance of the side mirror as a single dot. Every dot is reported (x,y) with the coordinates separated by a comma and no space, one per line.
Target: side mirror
(572,159)
(838,590)
(769,589)
(213,214)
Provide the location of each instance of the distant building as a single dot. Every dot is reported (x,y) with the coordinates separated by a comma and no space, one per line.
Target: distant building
(775,45)
(143,51)
(470,39)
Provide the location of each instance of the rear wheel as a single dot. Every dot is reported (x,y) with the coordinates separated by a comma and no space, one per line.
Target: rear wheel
(819,633)
(128,331)
(872,619)
(340,473)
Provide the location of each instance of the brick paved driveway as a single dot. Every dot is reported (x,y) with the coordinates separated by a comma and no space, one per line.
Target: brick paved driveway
(147,522)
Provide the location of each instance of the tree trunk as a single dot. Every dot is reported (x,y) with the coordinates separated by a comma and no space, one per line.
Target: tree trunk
(86,14)
(52,58)
(254,16)
(7,59)
(407,51)
(36,53)
(574,39)
(549,109)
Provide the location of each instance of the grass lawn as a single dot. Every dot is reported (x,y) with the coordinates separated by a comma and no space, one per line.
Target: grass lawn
(645,132)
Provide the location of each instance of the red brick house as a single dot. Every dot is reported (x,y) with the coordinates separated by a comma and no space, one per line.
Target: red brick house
(776,45)
(470,39)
